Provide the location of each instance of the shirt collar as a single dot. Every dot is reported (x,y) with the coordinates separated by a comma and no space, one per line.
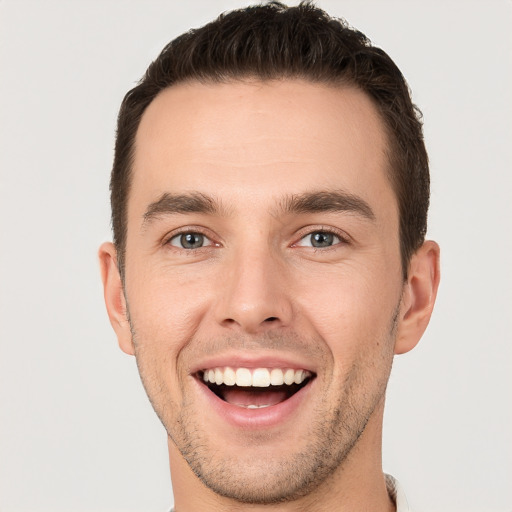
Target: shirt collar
(397,494)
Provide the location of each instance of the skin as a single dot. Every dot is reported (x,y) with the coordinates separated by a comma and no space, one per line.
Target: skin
(258,288)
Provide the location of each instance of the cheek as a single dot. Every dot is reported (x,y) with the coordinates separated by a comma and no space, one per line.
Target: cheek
(350,308)
(165,307)
(164,317)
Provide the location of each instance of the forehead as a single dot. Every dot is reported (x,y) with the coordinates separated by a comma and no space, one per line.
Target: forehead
(260,139)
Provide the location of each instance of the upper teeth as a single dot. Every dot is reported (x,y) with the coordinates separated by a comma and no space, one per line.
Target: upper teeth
(257,377)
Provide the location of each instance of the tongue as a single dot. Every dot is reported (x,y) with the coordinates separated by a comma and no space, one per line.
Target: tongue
(246,397)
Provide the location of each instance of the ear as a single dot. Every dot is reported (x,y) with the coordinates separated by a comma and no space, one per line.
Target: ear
(419,296)
(114,296)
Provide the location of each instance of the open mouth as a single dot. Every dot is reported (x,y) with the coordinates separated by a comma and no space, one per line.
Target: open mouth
(254,388)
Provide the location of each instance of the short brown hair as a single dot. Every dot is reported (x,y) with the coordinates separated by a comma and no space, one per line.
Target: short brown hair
(273,41)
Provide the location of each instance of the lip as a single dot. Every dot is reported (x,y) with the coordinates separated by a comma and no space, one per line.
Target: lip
(256,419)
(251,362)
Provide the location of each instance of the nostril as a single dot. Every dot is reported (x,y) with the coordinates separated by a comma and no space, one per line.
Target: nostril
(247,324)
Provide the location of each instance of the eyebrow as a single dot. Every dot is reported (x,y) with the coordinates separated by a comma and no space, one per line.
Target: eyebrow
(193,202)
(327,201)
(307,202)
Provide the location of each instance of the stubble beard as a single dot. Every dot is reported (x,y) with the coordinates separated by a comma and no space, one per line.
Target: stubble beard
(331,436)
(270,480)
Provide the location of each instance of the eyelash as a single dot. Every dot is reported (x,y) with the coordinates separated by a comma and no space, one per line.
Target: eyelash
(189,231)
(342,237)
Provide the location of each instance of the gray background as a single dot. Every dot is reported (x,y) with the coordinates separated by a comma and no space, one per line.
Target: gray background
(76,430)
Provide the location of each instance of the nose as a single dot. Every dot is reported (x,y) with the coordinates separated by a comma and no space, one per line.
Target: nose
(253,296)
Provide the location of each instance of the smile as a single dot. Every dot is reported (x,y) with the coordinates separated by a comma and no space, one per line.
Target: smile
(254,388)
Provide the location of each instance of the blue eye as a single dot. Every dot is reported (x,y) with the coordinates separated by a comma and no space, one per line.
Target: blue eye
(319,239)
(189,241)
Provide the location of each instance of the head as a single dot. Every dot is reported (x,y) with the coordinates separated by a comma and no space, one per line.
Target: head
(274,42)
(269,199)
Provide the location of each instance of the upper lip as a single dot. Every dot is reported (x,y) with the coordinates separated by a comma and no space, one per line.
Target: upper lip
(244,360)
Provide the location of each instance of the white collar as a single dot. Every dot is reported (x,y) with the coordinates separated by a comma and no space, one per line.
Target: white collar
(397,494)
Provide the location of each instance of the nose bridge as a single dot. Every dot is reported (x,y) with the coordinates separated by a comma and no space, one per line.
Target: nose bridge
(252,294)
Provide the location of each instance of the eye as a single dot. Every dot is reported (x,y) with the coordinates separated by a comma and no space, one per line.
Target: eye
(319,239)
(190,240)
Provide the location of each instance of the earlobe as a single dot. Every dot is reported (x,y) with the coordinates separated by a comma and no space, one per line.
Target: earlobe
(419,296)
(114,296)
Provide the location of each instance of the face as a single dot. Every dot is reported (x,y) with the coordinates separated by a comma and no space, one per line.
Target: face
(263,280)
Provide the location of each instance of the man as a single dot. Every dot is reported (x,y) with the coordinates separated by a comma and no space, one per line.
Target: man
(269,201)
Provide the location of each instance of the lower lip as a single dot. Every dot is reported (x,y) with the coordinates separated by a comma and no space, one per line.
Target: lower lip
(264,417)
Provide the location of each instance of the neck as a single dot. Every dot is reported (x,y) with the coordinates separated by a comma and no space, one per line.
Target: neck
(358,484)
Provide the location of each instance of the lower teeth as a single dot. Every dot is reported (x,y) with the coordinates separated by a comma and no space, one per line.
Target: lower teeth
(254,406)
